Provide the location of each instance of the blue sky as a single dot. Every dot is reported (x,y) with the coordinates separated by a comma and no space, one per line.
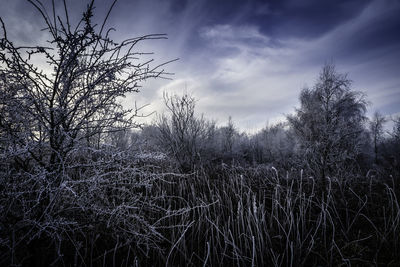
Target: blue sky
(250,59)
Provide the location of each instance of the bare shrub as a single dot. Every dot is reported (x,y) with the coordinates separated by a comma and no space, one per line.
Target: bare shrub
(184,135)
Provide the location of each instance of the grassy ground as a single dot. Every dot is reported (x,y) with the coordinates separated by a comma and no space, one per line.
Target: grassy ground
(221,216)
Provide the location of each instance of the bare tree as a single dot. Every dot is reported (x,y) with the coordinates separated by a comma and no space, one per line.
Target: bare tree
(278,144)
(329,122)
(77,100)
(396,128)
(376,128)
(185,135)
(229,132)
(393,152)
(58,180)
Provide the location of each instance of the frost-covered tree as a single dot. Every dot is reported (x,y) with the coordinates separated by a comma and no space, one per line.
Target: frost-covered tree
(329,122)
(392,148)
(229,132)
(62,189)
(184,135)
(278,144)
(396,129)
(376,129)
(71,96)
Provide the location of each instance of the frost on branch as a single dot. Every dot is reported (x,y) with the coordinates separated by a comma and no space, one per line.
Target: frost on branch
(60,185)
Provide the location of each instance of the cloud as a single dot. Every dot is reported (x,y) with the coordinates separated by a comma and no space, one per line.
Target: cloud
(255,80)
(254,83)
(226,33)
(250,59)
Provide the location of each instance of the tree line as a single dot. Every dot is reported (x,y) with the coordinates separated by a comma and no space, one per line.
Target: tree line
(329,134)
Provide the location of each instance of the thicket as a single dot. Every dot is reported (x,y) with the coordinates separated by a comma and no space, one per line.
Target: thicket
(79,187)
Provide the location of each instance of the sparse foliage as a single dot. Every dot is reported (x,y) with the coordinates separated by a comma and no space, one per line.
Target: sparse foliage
(185,136)
(278,144)
(329,122)
(376,128)
(50,113)
(61,185)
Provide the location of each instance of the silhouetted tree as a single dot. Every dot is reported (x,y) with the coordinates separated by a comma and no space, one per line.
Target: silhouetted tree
(392,146)
(71,96)
(228,136)
(58,182)
(396,128)
(376,128)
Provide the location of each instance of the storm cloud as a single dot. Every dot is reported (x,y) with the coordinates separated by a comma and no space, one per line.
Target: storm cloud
(249,59)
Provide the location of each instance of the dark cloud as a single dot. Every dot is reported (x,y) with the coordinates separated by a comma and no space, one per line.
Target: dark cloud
(280,18)
(308,18)
(379,32)
(253,56)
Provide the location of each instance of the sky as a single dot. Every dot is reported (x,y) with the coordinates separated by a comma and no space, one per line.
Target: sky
(248,59)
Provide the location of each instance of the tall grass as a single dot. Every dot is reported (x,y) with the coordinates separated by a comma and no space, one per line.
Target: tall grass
(260,217)
(221,216)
